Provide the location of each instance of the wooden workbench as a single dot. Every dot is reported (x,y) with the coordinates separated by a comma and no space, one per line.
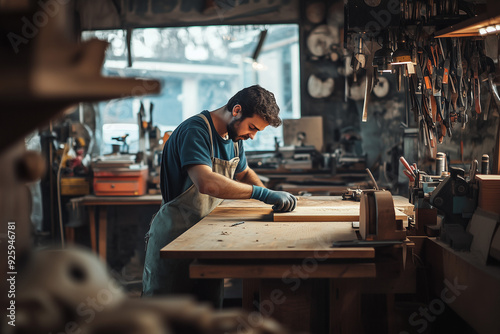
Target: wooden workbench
(277,257)
(259,237)
(99,205)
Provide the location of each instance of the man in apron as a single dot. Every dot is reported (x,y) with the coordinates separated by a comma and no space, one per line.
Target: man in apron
(203,163)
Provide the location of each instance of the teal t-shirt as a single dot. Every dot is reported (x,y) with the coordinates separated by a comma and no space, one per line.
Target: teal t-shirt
(189,144)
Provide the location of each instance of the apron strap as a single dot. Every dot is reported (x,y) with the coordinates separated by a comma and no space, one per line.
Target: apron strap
(236,146)
(210,133)
(236,149)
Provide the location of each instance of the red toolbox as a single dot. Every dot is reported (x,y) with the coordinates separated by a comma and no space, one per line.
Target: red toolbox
(120,181)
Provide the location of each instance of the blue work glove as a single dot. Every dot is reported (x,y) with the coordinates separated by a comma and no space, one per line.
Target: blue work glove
(281,200)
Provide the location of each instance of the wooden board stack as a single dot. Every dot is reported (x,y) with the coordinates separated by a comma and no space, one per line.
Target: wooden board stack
(489,192)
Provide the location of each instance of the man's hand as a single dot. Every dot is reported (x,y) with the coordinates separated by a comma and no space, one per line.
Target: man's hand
(281,200)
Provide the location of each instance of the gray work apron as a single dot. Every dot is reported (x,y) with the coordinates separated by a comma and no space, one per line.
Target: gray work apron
(171,276)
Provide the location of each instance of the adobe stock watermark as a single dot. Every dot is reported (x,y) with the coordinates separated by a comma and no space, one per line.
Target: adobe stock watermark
(383,17)
(31,27)
(293,279)
(425,315)
(381,20)
(11,273)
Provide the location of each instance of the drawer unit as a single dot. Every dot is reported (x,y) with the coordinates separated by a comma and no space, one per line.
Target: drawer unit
(120,181)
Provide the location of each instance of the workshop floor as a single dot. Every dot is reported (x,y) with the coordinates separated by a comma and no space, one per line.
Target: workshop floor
(130,277)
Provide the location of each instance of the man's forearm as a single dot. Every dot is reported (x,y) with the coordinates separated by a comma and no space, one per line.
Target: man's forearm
(217,185)
(222,187)
(251,178)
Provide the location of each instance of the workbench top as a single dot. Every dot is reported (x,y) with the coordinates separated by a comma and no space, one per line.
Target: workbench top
(259,237)
(214,239)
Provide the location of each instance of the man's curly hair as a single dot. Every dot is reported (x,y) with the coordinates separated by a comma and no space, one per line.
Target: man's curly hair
(256,100)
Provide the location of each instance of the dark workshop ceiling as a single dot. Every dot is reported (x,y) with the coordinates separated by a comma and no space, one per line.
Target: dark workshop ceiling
(112,14)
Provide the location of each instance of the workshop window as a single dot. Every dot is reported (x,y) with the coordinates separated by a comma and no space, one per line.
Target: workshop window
(200,68)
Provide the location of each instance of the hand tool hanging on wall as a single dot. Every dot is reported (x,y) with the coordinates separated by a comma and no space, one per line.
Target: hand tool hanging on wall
(369,84)
(444,70)
(452,106)
(459,93)
(466,108)
(446,89)
(487,67)
(461,81)
(437,82)
(428,124)
(476,85)
(453,113)
(458,68)
(359,59)
(430,129)
(415,90)
(469,76)
(457,87)
(417,87)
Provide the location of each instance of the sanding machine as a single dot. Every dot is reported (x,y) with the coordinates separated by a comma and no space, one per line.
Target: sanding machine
(378,225)
(377,218)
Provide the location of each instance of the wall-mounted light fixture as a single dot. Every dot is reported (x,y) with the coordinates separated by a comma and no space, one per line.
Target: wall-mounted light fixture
(493,29)
(485,23)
